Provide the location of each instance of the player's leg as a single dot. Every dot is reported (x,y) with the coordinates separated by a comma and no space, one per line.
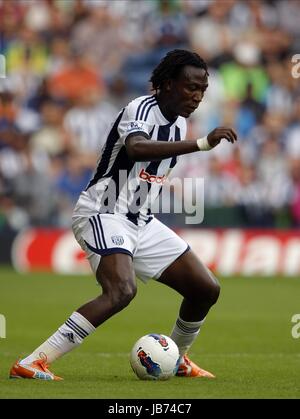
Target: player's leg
(108,242)
(200,290)
(164,256)
(116,276)
(199,287)
(117,279)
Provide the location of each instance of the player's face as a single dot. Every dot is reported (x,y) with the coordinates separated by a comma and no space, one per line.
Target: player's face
(188,90)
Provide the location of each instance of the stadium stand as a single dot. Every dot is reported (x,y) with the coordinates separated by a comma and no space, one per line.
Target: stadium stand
(71,65)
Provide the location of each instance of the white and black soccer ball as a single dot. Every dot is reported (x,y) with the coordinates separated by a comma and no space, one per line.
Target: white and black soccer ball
(154,357)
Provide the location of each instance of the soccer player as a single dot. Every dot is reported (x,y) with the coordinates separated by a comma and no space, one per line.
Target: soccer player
(113,223)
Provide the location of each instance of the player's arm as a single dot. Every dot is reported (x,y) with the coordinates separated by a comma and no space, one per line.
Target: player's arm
(139,148)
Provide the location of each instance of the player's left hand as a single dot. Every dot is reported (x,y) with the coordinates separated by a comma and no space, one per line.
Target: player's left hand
(215,136)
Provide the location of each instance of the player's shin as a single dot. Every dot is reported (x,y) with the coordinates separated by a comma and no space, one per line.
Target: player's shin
(70,335)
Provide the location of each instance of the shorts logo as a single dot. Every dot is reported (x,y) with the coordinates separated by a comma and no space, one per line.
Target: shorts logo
(152,178)
(133,126)
(117,240)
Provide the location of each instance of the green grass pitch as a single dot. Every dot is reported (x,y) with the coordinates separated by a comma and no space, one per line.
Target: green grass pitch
(246,340)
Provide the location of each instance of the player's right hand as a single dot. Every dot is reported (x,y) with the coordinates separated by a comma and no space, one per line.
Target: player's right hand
(215,136)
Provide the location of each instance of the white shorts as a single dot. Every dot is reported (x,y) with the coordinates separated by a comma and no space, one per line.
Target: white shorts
(153,247)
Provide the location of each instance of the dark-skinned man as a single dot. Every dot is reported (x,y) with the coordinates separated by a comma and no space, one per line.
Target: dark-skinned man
(113,223)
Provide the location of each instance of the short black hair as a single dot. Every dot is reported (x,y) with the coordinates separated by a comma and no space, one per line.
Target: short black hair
(171,65)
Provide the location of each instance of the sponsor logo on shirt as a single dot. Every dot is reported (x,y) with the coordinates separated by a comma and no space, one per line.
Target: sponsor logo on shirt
(152,178)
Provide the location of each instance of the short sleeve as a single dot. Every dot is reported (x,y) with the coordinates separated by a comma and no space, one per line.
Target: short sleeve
(129,123)
(182,127)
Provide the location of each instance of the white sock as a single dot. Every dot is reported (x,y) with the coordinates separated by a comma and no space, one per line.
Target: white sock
(184,333)
(65,339)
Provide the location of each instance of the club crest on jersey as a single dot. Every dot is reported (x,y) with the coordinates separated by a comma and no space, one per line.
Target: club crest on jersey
(117,240)
(133,126)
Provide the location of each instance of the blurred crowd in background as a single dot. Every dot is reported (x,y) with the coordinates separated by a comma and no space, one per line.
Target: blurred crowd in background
(72,64)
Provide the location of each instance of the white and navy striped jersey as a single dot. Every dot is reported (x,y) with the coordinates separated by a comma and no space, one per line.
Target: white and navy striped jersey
(121,185)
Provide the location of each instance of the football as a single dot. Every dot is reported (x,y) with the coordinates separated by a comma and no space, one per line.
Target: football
(154,357)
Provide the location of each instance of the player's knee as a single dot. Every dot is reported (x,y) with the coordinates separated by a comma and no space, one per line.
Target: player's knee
(208,291)
(123,294)
(214,292)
